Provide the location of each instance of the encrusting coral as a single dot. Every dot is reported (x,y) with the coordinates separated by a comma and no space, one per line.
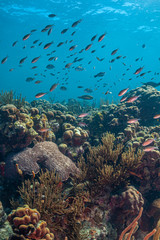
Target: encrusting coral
(26,224)
(108,165)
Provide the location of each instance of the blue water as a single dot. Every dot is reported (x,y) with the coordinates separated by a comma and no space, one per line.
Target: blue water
(127,24)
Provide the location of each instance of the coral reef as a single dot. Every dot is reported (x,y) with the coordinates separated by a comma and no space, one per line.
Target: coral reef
(11,98)
(5,229)
(62,213)
(45,155)
(26,224)
(108,165)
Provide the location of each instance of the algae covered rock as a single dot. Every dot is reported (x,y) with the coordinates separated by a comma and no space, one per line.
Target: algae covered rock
(45,155)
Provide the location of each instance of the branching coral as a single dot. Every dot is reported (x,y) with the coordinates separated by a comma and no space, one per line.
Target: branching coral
(108,164)
(62,213)
(11,98)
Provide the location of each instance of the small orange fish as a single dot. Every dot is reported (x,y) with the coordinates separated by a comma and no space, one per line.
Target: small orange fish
(88,47)
(64,30)
(47,45)
(123,99)
(122,92)
(101,37)
(156,116)
(4,60)
(149,141)
(138,70)
(38,95)
(76,23)
(149,149)
(53,87)
(83,115)
(72,48)
(133,120)
(43,130)
(35,59)
(114,51)
(26,36)
(132,99)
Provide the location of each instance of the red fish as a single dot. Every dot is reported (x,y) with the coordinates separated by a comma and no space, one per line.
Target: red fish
(42,130)
(114,51)
(64,30)
(35,59)
(4,60)
(53,87)
(138,70)
(149,149)
(156,116)
(101,37)
(135,174)
(132,99)
(122,92)
(72,48)
(68,65)
(88,47)
(39,95)
(49,31)
(147,142)
(22,60)
(83,115)
(26,36)
(94,37)
(38,81)
(133,120)
(47,45)
(123,99)
(76,23)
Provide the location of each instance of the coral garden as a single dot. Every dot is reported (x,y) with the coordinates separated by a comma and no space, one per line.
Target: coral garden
(67,177)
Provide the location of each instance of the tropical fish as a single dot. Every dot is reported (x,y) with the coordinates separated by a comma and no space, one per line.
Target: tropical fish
(138,70)
(79,69)
(82,124)
(11,69)
(147,142)
(94,37)
(4,60)
(101,37)
(49,31)
(100,59)
(88,47)
(73,47)
(68,65)
(14,43)
(76,23)
(22,60)
(26,36)
(51,15)
(60,44)
(63,88)
(150,148)
(37,82)
(132,99)
(100,74)
(88,90)
(122,92)
(114,51)
(83,115)
(34,42)
(43,130)
(73,33)
(86,97)
(64,30)
(39,95)
(35,59)
(29,79)
(46,46)
(50,66)
(53,87)
(123,99)
(153,84)
(156,116)
(133,120)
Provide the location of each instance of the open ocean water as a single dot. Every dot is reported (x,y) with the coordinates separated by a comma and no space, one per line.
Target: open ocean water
(132,27)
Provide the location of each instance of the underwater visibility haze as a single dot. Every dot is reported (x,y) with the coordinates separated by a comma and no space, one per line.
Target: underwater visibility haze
(79,120)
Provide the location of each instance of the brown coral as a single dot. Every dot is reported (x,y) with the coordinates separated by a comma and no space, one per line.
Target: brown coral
(26,223)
